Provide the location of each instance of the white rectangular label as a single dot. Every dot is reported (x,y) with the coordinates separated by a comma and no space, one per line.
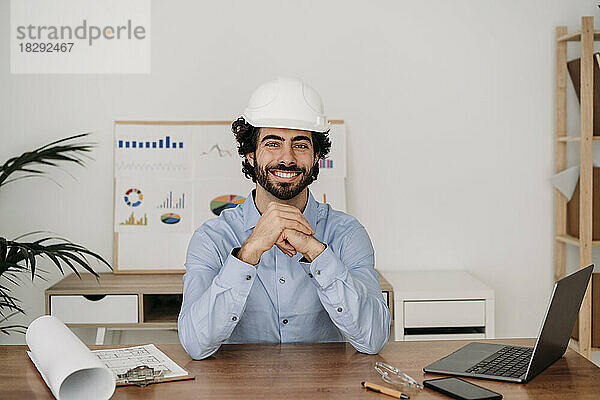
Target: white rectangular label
(79,36)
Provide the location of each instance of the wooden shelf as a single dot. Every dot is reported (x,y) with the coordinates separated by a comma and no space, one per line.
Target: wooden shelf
(574,344)
(587,36)
(572,240)
(575,138)
(161,308)
(576,37)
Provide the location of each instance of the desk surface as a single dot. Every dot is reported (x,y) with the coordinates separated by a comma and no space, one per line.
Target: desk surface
(444,285)
(110,283)
(309,371)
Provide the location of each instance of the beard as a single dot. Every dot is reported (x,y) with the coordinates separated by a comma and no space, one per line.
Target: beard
(283,190)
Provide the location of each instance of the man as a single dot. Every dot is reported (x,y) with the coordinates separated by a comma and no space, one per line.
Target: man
(281,267)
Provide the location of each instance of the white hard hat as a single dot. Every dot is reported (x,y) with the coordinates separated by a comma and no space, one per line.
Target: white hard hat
(286,103)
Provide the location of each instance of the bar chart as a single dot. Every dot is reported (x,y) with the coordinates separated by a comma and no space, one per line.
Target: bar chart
(164,143)
(325,163)
(169,202)
(133,221)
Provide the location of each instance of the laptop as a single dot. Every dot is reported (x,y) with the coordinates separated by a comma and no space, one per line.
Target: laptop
(516,363)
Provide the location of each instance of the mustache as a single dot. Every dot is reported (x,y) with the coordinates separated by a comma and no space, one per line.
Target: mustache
(282,167)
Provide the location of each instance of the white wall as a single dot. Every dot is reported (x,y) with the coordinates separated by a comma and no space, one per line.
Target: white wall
(448,104)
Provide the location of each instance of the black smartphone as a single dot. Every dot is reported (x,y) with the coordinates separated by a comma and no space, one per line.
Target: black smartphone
(461,389)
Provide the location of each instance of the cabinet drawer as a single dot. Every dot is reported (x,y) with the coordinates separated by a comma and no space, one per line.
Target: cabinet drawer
(109,309)
(429,314)
(458,336)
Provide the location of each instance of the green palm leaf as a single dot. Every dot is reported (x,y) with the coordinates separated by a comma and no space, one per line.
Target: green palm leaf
(8,328)
(48,155)
(60,252)
(20,256)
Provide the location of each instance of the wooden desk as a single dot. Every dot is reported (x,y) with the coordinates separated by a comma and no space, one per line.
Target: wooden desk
(309,371)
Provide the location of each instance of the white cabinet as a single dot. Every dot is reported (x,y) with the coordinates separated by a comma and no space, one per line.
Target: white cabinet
(434,305)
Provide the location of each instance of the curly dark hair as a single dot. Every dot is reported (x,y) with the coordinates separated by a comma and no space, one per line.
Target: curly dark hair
(247,136)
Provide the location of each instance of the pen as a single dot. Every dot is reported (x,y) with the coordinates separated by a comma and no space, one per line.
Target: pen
(382,389)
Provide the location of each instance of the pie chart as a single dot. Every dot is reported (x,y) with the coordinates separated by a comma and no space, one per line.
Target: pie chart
(170,218)
(133,197)
(218,204)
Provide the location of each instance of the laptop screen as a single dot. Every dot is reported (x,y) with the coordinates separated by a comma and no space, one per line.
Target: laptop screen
(559,321)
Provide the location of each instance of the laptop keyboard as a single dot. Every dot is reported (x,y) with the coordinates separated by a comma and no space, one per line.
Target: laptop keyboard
(509,361)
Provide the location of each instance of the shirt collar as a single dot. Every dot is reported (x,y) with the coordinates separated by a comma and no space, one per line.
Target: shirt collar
(251,214)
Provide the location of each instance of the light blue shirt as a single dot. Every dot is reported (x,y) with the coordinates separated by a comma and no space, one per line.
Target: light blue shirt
(334,298)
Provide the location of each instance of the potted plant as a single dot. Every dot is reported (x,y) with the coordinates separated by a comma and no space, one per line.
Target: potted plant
(19,256)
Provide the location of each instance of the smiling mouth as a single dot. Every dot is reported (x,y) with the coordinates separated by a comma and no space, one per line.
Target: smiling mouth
(284,176)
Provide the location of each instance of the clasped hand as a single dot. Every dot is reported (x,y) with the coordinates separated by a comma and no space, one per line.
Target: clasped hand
(284,226)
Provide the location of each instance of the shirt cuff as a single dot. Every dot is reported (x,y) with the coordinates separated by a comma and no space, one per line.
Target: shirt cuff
(325,268)
(237,274)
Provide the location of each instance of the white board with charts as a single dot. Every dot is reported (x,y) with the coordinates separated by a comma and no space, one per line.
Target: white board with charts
(172,176)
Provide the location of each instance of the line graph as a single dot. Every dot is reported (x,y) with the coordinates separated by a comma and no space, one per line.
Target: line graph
(149,166)
(216,149)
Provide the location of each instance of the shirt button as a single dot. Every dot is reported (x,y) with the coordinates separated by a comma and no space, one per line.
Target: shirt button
(234,318)
(285,321)
(339,309)
(282,280)
(248,277)
(318,272)
(310,275)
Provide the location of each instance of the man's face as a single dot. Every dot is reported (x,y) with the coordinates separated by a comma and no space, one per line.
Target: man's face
(283,161)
